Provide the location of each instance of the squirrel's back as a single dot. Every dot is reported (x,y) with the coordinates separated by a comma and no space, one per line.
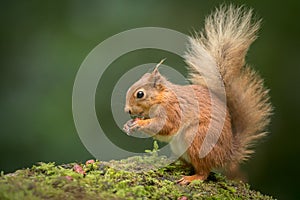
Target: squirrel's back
(223,45)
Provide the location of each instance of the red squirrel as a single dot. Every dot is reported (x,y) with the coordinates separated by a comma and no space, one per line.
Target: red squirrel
(163,109)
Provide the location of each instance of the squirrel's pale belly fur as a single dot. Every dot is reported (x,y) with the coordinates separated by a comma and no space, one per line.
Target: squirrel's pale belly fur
(177,147)
(183,115)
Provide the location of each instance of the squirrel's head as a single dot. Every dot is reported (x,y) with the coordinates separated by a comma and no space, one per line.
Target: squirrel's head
(144,94)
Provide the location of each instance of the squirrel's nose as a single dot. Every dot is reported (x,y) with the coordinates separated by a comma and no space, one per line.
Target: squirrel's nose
(127,110)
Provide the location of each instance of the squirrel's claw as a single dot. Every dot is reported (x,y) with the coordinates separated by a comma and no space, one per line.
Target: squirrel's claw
(180,180)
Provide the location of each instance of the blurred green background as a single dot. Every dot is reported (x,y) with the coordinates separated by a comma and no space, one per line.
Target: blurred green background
(43,44)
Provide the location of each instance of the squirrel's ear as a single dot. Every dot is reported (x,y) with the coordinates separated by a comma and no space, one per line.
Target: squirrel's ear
(156,77)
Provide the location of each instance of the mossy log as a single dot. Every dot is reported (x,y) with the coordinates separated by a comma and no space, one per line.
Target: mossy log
(118,180)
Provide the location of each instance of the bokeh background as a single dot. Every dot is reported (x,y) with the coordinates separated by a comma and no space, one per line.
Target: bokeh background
(43,43)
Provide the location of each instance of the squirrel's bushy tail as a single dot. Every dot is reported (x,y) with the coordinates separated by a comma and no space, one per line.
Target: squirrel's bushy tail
(223,44)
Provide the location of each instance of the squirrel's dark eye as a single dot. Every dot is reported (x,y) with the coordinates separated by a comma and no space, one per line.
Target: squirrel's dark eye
(140,94)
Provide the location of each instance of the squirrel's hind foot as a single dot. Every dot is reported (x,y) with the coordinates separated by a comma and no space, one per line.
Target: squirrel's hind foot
(188,179)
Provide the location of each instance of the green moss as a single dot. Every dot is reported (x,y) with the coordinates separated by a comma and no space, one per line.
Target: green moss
(118,180)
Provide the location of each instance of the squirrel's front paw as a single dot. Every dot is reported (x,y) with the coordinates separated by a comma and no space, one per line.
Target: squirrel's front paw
(131,126)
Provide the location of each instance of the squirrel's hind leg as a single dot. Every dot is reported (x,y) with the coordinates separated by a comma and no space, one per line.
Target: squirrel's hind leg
(201,173)
(202,166)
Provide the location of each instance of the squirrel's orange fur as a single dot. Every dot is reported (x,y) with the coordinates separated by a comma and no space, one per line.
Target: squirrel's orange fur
(166,110)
